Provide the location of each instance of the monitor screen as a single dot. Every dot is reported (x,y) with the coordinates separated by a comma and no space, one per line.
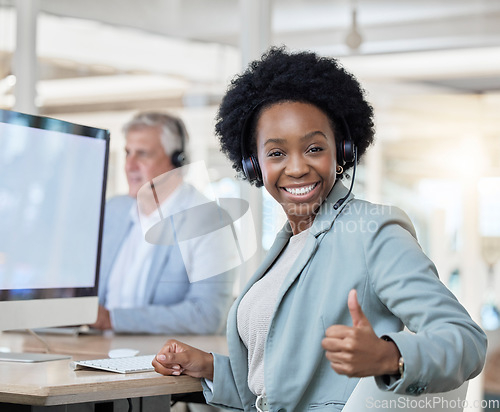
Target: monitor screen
(52,194)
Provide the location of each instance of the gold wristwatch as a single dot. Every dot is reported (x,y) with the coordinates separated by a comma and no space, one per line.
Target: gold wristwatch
(401,365)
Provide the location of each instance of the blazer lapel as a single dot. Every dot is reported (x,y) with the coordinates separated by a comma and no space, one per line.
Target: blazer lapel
(158,263)
(278,245)
(236,347)
(113,237)
(114,244)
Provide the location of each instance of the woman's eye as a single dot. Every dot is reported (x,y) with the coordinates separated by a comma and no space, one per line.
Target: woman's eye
(315,149)
(274,154)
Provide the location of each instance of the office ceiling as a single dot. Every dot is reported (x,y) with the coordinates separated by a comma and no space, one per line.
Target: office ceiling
(387,27)
(98,55)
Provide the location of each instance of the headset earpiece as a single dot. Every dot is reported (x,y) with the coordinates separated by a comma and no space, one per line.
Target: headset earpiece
(251,169)
(249,163)
(178,158)
(348,148)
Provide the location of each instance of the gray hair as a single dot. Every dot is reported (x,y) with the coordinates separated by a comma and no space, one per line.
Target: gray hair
(173,131)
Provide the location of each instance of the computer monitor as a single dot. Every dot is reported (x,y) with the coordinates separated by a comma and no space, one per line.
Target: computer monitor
(52,194)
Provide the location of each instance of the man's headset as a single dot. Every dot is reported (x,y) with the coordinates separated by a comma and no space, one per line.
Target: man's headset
(179,157)
(347,154)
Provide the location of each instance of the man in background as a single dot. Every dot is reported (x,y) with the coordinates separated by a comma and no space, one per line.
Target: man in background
(143,287)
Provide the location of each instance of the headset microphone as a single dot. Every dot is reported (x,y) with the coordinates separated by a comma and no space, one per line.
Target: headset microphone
(343,199)
(349,154)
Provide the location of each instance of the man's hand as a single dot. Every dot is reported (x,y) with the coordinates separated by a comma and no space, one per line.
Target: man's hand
(177,358)
(357,351)
(103,321)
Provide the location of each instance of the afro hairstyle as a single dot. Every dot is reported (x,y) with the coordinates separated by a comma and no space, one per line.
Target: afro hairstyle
(305,77)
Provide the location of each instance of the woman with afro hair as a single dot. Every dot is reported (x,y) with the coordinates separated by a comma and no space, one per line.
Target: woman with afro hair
(343,278)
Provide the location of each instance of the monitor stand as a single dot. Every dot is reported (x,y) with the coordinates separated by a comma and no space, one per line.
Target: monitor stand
(30,357)
(27,357)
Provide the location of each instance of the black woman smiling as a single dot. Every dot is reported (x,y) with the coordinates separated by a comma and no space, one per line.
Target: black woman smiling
(343,277)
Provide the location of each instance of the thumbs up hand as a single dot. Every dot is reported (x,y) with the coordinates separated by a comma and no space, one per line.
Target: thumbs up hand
(357,351)
(359,319)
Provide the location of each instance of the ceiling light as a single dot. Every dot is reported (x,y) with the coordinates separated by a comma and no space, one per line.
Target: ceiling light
(353,39)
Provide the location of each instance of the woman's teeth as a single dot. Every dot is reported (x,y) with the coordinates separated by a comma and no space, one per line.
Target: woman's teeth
(300,190)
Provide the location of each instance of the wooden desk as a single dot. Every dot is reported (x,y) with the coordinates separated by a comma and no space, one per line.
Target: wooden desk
(55,383)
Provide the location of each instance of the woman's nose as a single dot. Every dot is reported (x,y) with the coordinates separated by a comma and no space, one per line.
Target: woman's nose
(296,166)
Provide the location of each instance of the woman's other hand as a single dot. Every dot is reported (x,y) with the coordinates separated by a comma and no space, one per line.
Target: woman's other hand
(177,358)
(357,350)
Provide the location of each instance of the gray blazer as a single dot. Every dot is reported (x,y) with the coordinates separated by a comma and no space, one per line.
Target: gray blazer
(172,304)
(373,249)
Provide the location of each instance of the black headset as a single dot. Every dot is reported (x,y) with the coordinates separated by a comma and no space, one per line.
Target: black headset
(347,146)
(179,158)
(250,164)
(348,154)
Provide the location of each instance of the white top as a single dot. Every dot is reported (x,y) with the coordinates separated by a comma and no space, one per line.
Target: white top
(129,272)
(257,307)
(128,277)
